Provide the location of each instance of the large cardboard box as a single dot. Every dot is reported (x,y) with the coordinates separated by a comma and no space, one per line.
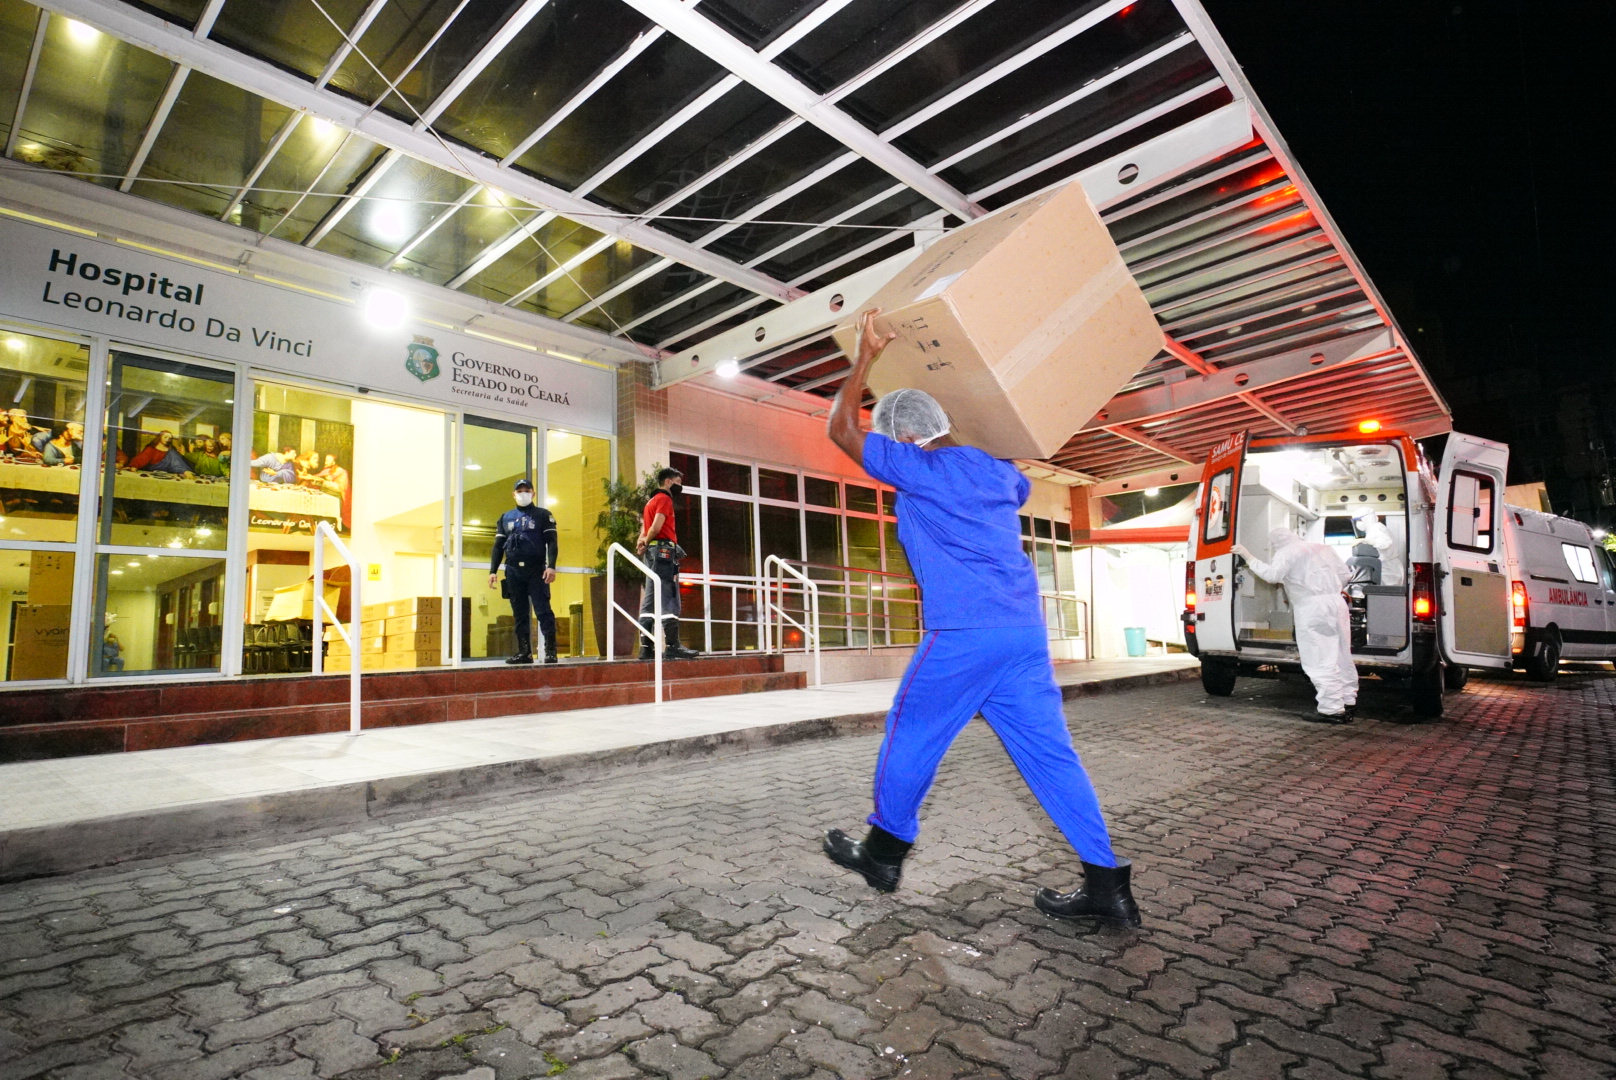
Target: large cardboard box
(50,578)
(39,646)
(297,602)
(395,661)
(413,605)
(420,641)
(374,628)
(414,624)
(1022,324)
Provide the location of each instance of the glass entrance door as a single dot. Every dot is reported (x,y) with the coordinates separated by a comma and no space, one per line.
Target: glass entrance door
(493,456)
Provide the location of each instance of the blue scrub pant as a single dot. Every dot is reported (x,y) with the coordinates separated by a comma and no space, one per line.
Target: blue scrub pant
(1003,673)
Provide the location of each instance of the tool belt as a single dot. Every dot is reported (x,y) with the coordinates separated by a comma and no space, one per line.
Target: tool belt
(666,547)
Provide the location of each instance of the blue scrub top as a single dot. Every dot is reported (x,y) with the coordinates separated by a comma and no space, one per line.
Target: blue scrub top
(958,524)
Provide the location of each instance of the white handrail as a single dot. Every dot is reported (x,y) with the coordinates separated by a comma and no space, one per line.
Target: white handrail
(323,532)
(611,604)
(771,609)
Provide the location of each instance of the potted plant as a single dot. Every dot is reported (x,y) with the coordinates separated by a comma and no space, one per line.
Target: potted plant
(619,523)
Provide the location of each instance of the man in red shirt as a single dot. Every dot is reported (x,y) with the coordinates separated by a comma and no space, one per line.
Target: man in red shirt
(659,545)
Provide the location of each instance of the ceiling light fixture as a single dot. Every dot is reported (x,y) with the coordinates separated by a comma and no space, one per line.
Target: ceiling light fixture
(389,222)
(727,369)
(384,308)
(82,33)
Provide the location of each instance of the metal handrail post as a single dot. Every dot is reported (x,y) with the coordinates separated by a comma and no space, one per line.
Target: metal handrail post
(811,629)
(657,632)
(323,532)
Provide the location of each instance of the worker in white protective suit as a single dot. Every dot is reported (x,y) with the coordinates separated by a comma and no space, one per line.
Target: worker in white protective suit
(1313,576)
(1386,545)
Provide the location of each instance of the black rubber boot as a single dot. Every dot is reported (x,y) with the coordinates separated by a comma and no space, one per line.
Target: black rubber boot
(522,657)
(1316,717)
(550,656)
(673,648)
(1105,897)
(879,858)
(648,640)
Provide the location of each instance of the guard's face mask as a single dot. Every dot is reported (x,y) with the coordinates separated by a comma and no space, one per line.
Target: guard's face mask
(676,490)
(524,498)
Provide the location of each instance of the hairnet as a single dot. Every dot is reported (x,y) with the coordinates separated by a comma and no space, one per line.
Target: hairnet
(910,414)
(1280,537)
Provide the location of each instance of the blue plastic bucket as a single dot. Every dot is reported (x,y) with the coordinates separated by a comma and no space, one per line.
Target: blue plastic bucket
(1135,636)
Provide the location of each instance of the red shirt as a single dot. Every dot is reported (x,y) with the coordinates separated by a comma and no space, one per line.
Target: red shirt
(661,503)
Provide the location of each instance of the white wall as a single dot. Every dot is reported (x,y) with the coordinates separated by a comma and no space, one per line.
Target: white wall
(398,492)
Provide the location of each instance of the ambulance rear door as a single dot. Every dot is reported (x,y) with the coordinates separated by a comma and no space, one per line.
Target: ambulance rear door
(1214,562)
(1468,548)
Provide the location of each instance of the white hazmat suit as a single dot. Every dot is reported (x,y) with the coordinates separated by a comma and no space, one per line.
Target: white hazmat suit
(1386,545)
(1313,576)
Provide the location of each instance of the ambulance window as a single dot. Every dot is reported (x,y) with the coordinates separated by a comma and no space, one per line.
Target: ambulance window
(1216,514)
(1470,512)
(1607,569)
(1581,562)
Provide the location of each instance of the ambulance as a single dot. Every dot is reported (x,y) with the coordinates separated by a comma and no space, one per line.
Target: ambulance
(1465,581)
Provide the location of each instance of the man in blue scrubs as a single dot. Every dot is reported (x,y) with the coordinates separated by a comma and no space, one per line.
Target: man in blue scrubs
(985,649)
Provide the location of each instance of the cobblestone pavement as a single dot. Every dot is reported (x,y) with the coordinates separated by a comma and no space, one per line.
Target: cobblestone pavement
(1386,900)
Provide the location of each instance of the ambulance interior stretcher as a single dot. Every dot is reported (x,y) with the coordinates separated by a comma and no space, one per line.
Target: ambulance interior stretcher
(1316,492)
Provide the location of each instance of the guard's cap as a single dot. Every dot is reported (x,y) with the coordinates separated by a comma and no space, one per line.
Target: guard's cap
(524,483)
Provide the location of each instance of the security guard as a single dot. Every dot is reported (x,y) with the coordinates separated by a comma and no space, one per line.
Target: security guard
(526,539)
(986,647)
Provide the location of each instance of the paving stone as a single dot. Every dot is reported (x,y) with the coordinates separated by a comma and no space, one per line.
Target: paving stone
(1021,1062)
(664,1054)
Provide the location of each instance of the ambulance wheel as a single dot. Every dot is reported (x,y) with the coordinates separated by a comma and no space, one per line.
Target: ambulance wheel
(1426,690)
(1455,677)
(1544,664)
(1218,676)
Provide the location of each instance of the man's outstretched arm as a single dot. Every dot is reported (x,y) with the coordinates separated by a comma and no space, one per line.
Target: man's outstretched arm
(844,414)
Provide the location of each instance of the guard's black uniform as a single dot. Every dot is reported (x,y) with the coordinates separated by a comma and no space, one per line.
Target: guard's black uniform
(526,539)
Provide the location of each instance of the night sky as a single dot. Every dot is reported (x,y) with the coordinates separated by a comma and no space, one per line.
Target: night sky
(1465,151)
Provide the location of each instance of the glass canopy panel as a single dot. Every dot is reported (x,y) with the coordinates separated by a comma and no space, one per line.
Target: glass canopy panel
(466,29)
(757,22)
(401,204)
(295,166)
(184,12)
(1091,55)
(676,327)
(650,294)
(288,33)
(900,242)
(583,283)
(1197,198)
(858,36)
(553,57)
(900,209)
(92,98)
(394,38)
(655,85)
(352,160)
(17,25)
(836,193)
(456,244)
(964,52)
(212,139)
(787,160)
(1083,119)
(706,140)
(532,258)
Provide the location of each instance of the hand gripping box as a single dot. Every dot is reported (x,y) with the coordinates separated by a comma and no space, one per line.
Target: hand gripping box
(1022,325)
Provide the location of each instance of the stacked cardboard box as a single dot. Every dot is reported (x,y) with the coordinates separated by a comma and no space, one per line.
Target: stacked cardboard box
(40,634)
(396,635)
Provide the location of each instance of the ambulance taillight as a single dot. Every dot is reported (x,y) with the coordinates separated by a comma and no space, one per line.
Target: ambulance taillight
(1189,586)
(1424,593)
(1518,603)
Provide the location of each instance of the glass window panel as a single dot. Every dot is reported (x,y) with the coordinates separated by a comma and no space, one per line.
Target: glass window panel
(729,544)
(1044,559)
(774,484)
(821,492)
(1026,524)
(576,470)
(42,385)
(756,22)
(729,476)
(1063,532)
(1042,528)
(779,532)
(702,142)
(776,166)
(889,503)
(689,464)
(655,85)
(91,100)
(157,613)
(862,499)
(553,57)
(582,284)
(165,479)
(214,137)
(17,25)
(459,240)
(897,559)
(687,523)
(494,456)
(859,35)
(864,543)
(824,538)
(288,33)
(401,204)
(295,216)
(36,625)
(533,257)
(976,45)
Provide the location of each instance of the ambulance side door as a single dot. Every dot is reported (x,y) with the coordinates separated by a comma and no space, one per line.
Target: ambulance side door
(1578,606)
(1607,576)
(1214,562)
(1468,548)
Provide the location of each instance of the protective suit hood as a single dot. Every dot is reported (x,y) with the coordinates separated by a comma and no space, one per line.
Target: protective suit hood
(1280,537)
